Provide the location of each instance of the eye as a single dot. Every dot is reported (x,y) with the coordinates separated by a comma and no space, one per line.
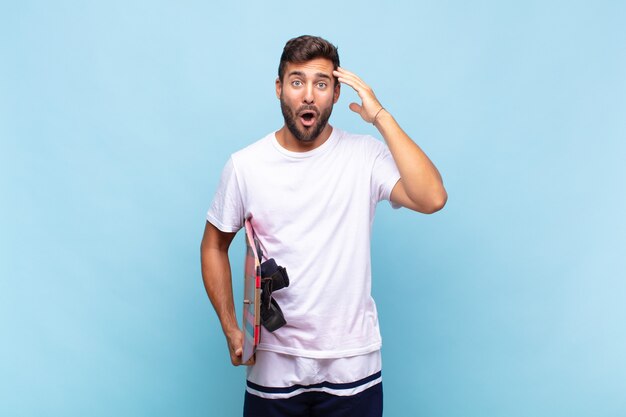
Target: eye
(296,83)
(321,85)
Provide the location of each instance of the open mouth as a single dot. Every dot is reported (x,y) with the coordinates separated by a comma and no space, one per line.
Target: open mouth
(307,117)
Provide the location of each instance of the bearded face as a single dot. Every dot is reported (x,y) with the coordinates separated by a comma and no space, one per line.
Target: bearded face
(307,93)
(305,122)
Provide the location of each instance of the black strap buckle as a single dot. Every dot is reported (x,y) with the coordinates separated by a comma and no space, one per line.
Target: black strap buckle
(273,278)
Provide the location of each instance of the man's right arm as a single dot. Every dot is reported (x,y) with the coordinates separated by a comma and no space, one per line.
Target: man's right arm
(218,284)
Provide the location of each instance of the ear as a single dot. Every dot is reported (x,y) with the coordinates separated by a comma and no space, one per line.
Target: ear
(279,88)
(337,92)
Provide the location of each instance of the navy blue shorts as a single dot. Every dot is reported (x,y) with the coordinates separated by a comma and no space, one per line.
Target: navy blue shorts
(368,403)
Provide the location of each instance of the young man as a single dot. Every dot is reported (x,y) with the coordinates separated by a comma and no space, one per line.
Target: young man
(310,191)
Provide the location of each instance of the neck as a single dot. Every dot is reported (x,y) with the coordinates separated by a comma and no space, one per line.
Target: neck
(288,141)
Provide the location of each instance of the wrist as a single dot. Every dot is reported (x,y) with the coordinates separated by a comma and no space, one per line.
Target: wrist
(380,117)
(229,326)
(376,115)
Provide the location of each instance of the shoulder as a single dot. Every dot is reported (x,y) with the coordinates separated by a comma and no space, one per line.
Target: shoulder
(254,151)
(367,143)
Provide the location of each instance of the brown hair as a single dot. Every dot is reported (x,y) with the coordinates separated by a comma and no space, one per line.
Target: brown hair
(305,48)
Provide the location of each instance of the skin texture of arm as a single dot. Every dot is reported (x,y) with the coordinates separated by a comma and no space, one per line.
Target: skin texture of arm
(420,187)
(218,284)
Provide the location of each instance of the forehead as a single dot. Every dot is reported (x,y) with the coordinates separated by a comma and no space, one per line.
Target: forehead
(312,68)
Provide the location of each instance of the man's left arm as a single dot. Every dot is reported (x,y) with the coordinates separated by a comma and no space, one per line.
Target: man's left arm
(420,187)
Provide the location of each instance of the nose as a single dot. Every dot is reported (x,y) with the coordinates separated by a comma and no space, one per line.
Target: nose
(308,94)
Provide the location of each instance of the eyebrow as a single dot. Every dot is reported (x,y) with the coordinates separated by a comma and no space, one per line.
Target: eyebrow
(302,74)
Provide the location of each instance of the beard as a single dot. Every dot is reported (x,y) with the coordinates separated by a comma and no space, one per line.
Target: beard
(307,134)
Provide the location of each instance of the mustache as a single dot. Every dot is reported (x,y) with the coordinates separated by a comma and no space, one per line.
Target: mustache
(308,108)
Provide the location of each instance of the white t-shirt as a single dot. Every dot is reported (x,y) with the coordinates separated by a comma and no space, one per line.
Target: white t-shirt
(313,212)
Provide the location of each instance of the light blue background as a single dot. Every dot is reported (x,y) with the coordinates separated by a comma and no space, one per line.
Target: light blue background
(116,118)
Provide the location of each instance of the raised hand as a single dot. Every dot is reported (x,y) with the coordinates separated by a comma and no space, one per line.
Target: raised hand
(370,107)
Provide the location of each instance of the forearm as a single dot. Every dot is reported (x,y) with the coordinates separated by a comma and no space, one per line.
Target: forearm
(217,279)
(218,284)
(420,178)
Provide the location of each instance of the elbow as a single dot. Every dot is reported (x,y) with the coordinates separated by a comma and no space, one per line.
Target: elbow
(436,203)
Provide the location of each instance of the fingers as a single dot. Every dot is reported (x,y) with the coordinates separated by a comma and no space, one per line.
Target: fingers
(370,104)
(251,361)
(351,79)
(235,356)
(344,73)
(235,346)
(355,108)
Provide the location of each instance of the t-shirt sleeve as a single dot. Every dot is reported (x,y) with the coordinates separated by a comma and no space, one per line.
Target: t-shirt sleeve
(385,174)
(227,211)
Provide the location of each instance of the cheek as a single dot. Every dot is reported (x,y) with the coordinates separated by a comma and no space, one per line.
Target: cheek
(330,98)
(290,95)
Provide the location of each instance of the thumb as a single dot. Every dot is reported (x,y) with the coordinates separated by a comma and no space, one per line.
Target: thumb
(355,108)
(238,351)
